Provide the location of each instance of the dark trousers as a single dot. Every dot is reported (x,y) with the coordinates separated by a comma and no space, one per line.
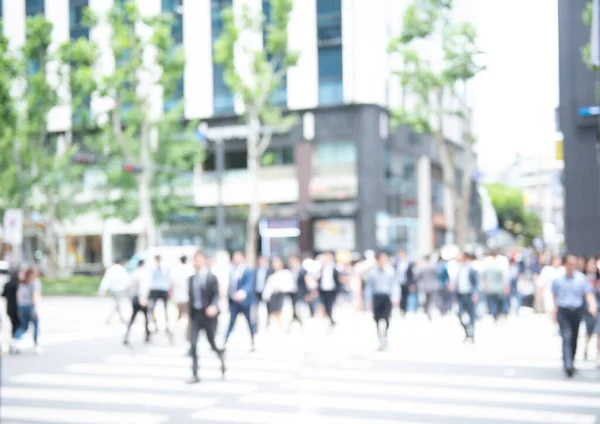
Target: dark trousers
(14,322)
(495,304)
(328,299)
(466,305)
(155,296)
(382,310)
(137,308)
(404,299)
(234,310)
(568,321)
(199,321)
(295,298)
(27,314)
(446,300)
(431,300)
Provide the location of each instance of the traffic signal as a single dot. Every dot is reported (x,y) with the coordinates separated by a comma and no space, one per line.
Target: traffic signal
(84,158)
(130,168)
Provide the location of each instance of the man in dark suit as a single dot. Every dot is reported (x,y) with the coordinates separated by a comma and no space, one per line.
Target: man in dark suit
(242,284)
(329,284)
(204,310)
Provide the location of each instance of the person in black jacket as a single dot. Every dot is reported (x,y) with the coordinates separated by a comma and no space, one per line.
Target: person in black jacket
(300,289)
(204,310)
(10,293)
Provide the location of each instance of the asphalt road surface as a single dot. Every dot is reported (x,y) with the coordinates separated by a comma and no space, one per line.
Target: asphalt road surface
(305,375)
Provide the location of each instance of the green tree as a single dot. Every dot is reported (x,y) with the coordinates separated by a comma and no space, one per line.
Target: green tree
(512,214)
(433,90)
(147,155)
(37,173)
(266,67)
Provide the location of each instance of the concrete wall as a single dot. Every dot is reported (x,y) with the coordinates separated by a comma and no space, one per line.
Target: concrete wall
(582,187)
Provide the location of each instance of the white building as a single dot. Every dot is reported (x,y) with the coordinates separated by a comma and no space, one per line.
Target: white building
(343,64)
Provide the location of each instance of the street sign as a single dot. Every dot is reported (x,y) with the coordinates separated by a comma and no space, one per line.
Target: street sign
(589,111)
(13,227)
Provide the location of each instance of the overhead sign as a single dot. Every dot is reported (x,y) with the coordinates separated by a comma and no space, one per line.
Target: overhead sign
(13,226)
(589,111)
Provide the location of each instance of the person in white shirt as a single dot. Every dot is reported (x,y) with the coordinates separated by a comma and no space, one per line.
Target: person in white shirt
(181,276)
(116,280)
(496,277)
(140,290)
(160,290)
(279,283)
(329,284)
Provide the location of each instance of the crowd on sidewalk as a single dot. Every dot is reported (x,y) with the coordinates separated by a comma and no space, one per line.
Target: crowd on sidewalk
(568,289)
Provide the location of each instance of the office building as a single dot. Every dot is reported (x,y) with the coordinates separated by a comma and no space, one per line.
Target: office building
(339,179)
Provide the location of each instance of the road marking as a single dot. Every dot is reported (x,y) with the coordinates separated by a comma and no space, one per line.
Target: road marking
(73,380)
(560,386)
(129,398)
(254,416)
(179,373)
(363,404)
(78,416)
(476,360)
(424,392)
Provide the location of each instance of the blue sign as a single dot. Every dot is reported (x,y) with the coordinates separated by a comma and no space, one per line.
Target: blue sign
(589,111)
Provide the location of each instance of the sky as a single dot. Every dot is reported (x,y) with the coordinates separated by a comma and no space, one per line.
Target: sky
(514,100)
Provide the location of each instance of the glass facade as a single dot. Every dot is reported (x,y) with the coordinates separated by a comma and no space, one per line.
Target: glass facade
(437,196)
(34,7)
(76,14)
(279,96)
(329,38)
(175,8)
(335,153)
(278,156)
(222,97)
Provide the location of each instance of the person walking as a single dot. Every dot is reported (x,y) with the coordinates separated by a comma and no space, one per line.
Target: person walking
(402,268)
(496,274)
(279,283)
(204,311)
(300,289)
(9,292)
(427,276)
(160,289)
(241,294)
(571,292)
(140,291)
(263,270)
(116,280)
(29,295)
(381,292)
(329,284)
(467,294)
(591,272)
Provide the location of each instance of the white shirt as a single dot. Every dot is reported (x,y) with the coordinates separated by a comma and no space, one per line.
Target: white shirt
(116,279)
(463,282)
(161,278)
(181,277)
(327,281)
(140,284)
(281,281)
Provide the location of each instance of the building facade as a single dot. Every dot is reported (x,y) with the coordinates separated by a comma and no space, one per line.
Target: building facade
(340,179)
(581,174)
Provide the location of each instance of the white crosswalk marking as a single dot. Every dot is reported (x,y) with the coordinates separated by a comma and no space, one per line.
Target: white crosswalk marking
(335,381)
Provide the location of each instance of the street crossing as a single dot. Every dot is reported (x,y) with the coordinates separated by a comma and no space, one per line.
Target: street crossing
(314,375)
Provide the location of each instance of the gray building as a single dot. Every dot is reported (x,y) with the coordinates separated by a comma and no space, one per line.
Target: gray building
(581,177)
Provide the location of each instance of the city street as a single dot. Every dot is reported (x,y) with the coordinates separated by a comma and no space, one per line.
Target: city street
(308,375)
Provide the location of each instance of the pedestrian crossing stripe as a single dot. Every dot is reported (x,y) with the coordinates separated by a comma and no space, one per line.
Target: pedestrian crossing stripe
(75,380)
(209,358)
(253,416)
(362,404)
(77,416)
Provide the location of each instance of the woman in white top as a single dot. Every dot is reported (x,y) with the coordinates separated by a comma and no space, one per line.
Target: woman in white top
(280,282)
(181,278)
(548,274)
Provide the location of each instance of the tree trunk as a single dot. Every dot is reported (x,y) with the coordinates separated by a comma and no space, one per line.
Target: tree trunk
(464,197)
(253,167)
(49,238)
(145,239)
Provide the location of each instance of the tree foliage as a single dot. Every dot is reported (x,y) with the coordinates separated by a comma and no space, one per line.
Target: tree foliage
(512,214)
(262,72)
(131,130)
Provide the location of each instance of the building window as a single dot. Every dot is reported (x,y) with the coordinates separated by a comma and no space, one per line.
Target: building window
(175,7)
(335,153)
(329,38)
(437,196)
(34,7)
(76,14)
(236,160)
(223,99)
(278,96)
(278,156)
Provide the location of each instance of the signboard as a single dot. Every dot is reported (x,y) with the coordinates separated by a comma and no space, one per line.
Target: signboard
(335,234)
(13,226)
